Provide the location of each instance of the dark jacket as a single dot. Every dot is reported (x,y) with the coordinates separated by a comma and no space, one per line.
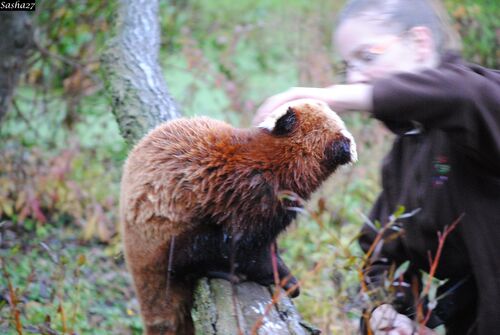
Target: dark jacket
(445,163)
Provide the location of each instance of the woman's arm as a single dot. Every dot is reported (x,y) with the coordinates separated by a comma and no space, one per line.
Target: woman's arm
(463,101)
(340,98)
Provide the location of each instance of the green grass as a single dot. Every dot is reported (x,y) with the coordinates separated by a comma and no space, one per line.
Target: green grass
(55,274)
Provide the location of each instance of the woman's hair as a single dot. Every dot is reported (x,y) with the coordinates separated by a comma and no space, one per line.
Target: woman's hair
(399,16)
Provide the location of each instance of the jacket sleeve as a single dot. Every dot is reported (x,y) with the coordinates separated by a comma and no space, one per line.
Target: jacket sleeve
(463,101)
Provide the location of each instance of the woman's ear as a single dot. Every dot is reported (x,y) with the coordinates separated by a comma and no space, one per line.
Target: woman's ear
(423,40)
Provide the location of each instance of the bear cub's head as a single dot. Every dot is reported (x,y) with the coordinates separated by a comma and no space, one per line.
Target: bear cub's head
(313,130)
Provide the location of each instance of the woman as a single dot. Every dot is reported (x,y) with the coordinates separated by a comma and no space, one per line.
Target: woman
(444,166)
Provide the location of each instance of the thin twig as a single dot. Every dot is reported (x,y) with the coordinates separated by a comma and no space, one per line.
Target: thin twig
(442,236)
(170,261)
(25,119)
(75,64)
(277,297)
(13,301)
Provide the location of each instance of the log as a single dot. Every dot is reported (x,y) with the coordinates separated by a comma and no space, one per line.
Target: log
(247,308)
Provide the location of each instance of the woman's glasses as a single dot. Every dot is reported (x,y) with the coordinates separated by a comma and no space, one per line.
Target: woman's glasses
(367,55)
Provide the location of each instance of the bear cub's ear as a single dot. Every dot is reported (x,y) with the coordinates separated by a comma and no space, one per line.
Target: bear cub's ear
(286,123)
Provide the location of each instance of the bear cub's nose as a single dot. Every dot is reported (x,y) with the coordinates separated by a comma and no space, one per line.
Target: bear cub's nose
(342,151)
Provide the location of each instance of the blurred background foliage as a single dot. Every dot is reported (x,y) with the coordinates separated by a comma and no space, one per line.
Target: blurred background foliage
(61,152)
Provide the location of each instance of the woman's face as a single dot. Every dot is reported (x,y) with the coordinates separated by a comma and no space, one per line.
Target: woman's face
(371,52)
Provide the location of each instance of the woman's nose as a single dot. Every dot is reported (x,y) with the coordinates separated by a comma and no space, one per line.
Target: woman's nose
(356,77)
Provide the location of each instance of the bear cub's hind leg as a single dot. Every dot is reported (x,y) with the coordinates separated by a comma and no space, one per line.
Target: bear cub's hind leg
(164,301)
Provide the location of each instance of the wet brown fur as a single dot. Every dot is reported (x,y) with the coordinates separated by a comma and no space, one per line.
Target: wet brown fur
(214,188)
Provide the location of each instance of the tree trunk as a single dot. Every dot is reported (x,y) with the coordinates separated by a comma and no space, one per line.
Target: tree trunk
(15,44)
(132,73)
(140,101)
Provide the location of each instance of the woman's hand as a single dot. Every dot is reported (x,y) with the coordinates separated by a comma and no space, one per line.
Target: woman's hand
(339,97)
(294,93)
(386,321)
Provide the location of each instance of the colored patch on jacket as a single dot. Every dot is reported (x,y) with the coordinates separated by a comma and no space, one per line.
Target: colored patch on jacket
(441,170)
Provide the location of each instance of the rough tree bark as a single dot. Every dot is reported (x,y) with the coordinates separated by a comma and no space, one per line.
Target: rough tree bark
(140,100)
(247,309)
(15,44)
(132,73)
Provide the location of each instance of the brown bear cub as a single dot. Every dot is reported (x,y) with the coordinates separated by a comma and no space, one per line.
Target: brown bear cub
(201,198)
